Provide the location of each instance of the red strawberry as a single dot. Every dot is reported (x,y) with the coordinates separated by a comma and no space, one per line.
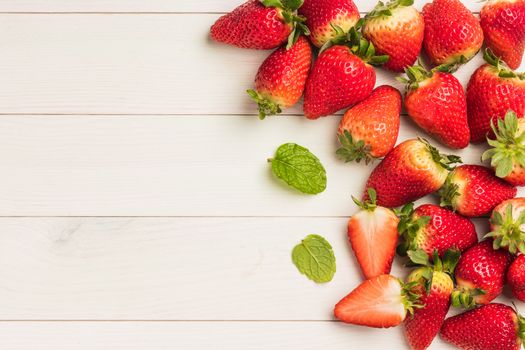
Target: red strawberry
(480,275)
(490,327)
(507,225)
(435,286)
(452,33)
(436,102)
(281,78)
(325,18)
(503,23)
(373,235)
(369,129)
(259,24)
(341,77)
(433,228)
(516,277)
(492,91)
(380,302)
(412,170)
(507,154)
(396,29)
(474,190)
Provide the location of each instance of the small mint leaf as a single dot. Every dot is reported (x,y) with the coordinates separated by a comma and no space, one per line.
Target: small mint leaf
(299,168)
(315,259)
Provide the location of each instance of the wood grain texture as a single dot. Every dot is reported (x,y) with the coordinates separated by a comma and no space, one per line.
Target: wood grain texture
(155,5)
(201,335)
(169,269)
(170,166)
(129,64)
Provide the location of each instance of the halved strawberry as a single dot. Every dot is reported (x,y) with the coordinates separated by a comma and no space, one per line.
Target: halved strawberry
(380,302)
(373,235)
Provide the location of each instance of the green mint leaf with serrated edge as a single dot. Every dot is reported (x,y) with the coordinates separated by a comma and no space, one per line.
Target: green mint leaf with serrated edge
(315,259)
(299,168)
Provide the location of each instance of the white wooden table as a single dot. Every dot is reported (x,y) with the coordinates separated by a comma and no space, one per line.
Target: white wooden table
(137,208)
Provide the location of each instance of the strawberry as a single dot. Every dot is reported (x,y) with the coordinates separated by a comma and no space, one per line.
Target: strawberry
(372,232)
(503,23)
(396,29)
(516,277)
(452,33)
(433,228)
(474,190)
(328,18)
(281,78)
(492,91)
(507,154)
(435,286)
(341,76)
(490,327)
(480,275)
(507,225)
(412,170)
(435,100)
(380,302)
(260,24)
(369,129)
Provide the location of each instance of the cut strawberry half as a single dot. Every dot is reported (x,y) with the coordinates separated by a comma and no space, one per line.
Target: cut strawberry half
(372,232)
(380,302)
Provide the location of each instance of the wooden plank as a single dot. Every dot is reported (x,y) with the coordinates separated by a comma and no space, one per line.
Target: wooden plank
(170,166)
(200,336)
(169,269)
(128,64)
(155,5)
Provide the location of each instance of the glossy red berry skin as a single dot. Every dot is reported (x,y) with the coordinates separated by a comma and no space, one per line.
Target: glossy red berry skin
(484,268)
(338,80)
(516,277)
(252,26)
(490,327)
(451,31)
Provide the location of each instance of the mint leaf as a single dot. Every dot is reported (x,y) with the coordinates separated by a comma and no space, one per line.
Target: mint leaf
(299,168)
(315,259)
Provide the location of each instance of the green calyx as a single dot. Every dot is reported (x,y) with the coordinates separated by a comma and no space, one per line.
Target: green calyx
(411,296)
(357,43)
(448,192)
(521,325)
(416,74)
(370,204)
(465,298)
(353,150)
(503,69)
(409,227)
(425,274)
(266,107)
(383,9)
(289,13)
(446,161)
(508,148)
(508,233)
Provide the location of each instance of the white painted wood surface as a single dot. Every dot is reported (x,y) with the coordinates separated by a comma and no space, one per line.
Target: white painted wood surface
(205,6)
(137,210)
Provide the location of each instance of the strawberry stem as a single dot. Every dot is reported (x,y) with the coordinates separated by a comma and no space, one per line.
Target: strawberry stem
(353,150)
(508,233)
(383,9)
(266,107)
(503,69)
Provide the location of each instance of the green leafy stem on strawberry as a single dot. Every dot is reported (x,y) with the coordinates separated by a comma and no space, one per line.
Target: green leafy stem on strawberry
(383,9)
(289,12)
(357,43)
(503,68)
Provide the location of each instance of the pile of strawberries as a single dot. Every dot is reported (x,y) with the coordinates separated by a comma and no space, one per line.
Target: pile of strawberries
(450,266)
